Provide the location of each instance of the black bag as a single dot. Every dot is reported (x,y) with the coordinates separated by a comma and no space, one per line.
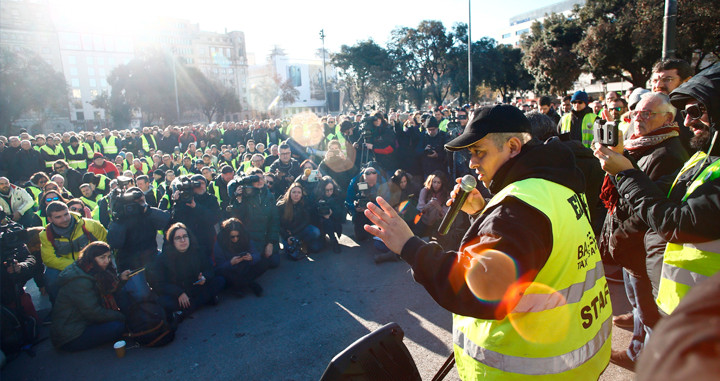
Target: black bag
(18,330)
(147,325)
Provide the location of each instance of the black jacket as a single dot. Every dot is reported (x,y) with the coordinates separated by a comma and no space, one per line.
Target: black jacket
(504,227)
(134,238)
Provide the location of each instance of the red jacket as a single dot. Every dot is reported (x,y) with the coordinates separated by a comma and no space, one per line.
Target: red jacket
(108,169)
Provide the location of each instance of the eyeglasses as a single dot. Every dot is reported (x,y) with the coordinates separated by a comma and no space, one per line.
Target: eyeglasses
(663,79)
(462,117)
(51,199)
(181,238)
(615,109)
(75,209)
(269,182)
(643,114)
(695,111)
(371,173)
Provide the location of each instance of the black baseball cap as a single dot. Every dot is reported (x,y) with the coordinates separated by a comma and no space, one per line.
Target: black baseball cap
(488,120)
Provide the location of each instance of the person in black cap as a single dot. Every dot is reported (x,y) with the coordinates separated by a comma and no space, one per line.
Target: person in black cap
(430,148)
(578,124)
(200,214)
(527,265)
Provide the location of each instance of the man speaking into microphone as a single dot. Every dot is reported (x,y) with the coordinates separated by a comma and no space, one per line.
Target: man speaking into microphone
(526,287)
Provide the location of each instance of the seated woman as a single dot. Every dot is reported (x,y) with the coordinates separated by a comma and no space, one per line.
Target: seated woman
(404,195)
(309,183)
(85,313)
(49,196)
(295,226)
(78,206)
(182,274)
(330,212)
(431,204)
(237,259)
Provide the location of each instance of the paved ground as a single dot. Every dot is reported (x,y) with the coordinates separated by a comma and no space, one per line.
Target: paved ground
(311,310)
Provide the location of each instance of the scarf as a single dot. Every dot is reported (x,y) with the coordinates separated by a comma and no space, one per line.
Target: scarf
(636,146)
(107,283)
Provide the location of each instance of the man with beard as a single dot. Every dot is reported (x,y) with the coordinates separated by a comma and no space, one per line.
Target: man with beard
(578,124)
(681,210)
(655,146)
(133,236)
(667,76)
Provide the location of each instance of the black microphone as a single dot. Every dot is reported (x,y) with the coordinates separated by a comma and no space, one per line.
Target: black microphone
(467,184)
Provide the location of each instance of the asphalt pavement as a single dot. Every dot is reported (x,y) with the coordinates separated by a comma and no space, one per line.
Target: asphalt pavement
(310,311)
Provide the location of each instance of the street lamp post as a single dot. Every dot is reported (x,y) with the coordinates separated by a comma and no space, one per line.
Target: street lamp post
(669,30)
(469,56)
(177,101)
(322,37)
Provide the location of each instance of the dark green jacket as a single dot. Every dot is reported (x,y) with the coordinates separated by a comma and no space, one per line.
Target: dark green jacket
(77,306)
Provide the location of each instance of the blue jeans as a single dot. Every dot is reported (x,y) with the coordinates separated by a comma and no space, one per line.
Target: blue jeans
(51,286)
(312,237)
(137,287)
(95,335)
(645,312)
(273,260)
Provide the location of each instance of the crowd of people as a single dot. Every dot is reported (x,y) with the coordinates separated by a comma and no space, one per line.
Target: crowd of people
(231,199)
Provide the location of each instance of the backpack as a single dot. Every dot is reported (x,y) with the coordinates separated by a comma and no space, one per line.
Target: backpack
(147,325)
(18,330)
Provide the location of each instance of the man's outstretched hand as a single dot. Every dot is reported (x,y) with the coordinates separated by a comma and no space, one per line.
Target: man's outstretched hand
(388,225)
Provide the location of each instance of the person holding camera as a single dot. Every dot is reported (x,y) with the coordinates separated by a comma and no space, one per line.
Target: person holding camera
(254,203)
(237,259)
(62,240)
(363,189)
(85,313)
(132,234)
(197,209)
(378,138)
(182,275)
(285,167)
(296,228)
(330,213)
(430,148)
(16,202)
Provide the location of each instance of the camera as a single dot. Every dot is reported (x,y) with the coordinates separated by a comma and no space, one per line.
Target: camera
(293,249)
(323,208)
(606,133)
(185,186)
(429,151)
(13,239)
(362,197)
(124,204)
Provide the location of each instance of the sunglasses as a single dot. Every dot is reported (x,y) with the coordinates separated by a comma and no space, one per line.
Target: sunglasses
(462,117)
(695,112)
(51,199)
(75,209)
(615,109)
(371,173)
(269,182)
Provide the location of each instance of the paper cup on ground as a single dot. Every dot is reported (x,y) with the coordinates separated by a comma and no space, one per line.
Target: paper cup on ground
(120,348)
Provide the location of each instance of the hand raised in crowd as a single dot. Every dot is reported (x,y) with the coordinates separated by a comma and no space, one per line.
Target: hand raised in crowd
(611,161)
(268,250)
(184,301)
(125,275)
(388,225)
(474,202)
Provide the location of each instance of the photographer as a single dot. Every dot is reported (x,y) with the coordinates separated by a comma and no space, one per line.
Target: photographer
(296,228)
(219,187)
(132,233)
(285,167)
(363,189)
(103,211)
(379,138)
(197,209)
(430,148)
(254,203)
(330,213)
(19,264)
(16,202)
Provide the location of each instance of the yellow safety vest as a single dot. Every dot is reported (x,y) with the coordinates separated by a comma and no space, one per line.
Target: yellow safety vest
(54,152)
(587,127)
(146,144)
(77,164)
(687,264)
(90,202)
(109,145)
(559,328)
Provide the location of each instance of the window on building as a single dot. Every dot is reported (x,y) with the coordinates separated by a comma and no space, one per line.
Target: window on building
(111,62)
(294,74)
(91,71)
(80,115)
(73,71)
(76,93)
(101,72)
(71,60)
(75,82)
(93,82)
(93,93)
(89,60)
(100,61)
(506,35)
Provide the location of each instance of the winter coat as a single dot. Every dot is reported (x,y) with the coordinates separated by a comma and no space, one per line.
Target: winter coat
(78,305)
(174,273)
(301,219)
(20,201)
(59,252)
(259,215)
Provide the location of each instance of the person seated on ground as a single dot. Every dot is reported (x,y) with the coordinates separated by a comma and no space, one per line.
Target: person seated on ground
(330,213)
(363,189)
(182,275)
(338,166)
(431,204)
(85,313)
(43,200)
(403,195)
(237,259)
(76,205)
(65,235)
(295,223)
(16,202)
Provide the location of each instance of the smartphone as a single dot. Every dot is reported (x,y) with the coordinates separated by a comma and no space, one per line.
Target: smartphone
(606,133)
(314,176)
(362,186)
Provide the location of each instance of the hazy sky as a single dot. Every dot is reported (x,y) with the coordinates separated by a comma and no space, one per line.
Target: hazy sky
(295,25)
